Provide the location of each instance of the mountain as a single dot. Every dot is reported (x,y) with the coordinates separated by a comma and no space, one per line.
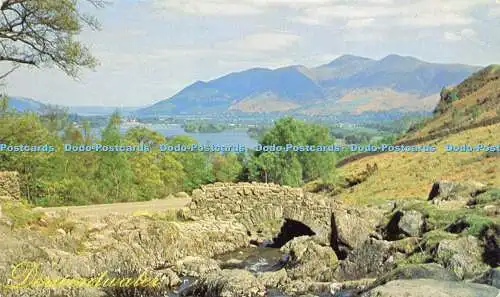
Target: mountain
(349,83)
(22,104)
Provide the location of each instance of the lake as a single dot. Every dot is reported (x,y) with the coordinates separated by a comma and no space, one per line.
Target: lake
(227,137)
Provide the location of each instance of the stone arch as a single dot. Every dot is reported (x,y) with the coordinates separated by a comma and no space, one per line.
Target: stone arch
(265,209)
(289,230)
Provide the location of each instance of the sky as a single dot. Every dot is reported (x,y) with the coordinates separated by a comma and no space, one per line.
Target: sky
(151,49)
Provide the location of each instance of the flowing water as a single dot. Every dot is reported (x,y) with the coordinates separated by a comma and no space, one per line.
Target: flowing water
(253,259)
(256,260)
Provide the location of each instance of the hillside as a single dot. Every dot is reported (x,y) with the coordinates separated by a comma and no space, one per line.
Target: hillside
(347,84)
(475,100)
(22,104)
(410,175)
(468,113)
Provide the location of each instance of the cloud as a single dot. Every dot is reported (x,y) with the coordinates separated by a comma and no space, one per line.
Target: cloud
(494,12)
(261,42)
(465,34)
(231,7)
(452,36)
(208,7)
(360,23)
(423,13)
(157,47)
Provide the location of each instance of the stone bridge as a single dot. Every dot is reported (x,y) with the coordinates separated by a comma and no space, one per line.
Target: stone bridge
(264,208)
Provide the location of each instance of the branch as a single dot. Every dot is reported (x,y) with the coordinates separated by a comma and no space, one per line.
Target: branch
(8,72)
(7,3)
(17,60)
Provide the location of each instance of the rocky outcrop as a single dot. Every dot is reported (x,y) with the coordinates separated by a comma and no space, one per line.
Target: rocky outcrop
(9,186)
(227,283)
(430,287)
(490,237)
(490,278)
(196,266)
(309,260)
(451,191)
(274,279)
(371,259)
(409,223)
(107,245)
(351,227)
(417,271)
(463,256)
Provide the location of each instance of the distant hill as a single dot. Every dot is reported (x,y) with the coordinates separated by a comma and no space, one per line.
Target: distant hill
(347,84)
(100,110)
(22,104)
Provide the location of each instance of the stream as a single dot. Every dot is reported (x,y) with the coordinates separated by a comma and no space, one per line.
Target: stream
(254,259)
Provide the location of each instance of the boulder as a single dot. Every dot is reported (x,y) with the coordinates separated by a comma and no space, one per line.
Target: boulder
(430,287)
(412,223)
(226,283)
(168,278)
(273,279)
(490,278)
(308,259)
(463,256)
(350,288)
(370,260)
(492,210)
(406,246)
(409,223)
(447,191)
(490,237)
(417,271)
(196,266)
(352,227)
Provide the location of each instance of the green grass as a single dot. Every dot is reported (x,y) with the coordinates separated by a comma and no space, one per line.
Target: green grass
(20,214)
(492,195)
(440,218)
(432,238)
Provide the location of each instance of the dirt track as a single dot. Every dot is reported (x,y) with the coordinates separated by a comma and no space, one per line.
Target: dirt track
(122,208)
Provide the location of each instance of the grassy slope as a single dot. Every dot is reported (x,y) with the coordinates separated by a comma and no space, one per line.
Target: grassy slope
(410,175)
(405,175)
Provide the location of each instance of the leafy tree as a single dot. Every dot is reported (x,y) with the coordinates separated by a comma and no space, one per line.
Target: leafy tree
(226,167)
(291,167)
(114,169)
(195,165)
(42,33)
(27,129)
(4,104)
(55,118)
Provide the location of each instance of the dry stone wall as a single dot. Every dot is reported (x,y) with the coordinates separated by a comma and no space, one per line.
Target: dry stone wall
(9,186)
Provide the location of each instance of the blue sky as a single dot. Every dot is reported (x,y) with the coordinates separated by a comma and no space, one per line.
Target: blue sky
(150,49)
